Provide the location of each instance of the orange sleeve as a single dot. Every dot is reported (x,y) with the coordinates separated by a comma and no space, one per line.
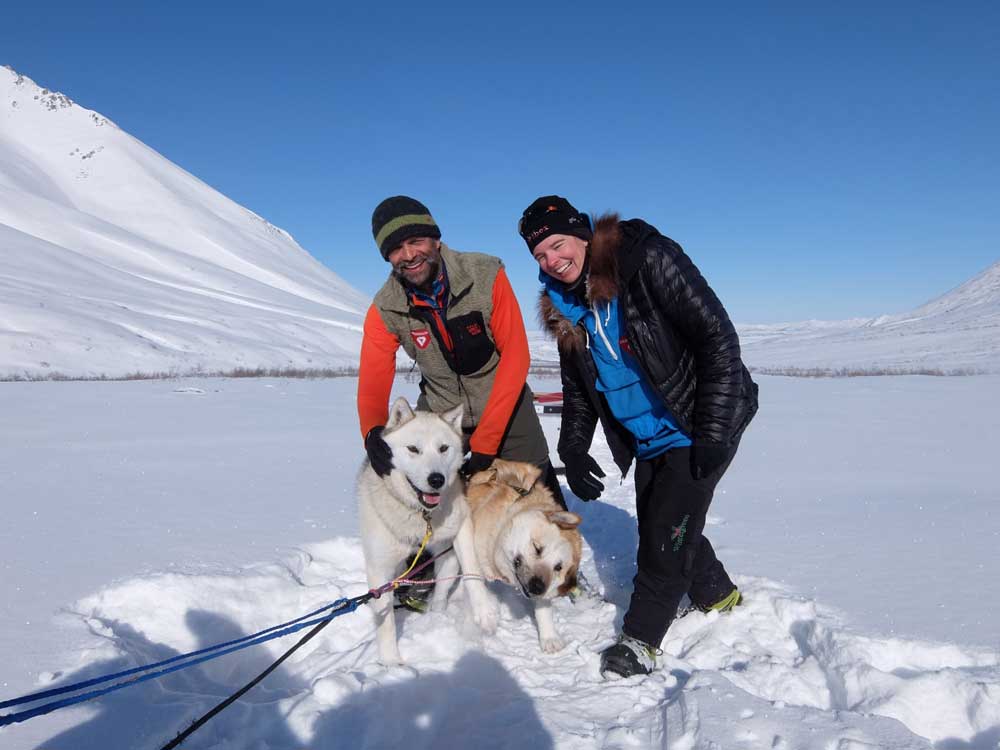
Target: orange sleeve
(376,371)
(511,342)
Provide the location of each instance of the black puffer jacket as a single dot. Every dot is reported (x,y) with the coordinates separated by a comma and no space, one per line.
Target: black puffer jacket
(676,328)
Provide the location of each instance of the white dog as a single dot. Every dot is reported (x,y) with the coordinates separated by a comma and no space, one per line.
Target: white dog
(395,511)
(525,539)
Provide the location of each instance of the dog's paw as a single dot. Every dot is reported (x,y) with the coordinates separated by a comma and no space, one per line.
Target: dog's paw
(487,616)
(439,603)
(551,644)
(390,660)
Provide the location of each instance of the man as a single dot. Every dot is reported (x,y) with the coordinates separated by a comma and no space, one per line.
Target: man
(456,315)
(647,350)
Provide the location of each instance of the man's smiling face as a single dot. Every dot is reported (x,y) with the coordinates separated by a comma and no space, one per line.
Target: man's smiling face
(416,261)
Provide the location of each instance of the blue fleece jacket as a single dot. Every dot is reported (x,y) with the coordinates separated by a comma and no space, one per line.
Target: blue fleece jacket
(632,400)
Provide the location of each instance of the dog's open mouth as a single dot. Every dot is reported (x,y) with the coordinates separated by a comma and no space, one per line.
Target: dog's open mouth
(427,499)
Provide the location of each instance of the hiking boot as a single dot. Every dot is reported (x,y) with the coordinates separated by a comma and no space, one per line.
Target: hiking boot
(413,597)
(628,657)
(733,599)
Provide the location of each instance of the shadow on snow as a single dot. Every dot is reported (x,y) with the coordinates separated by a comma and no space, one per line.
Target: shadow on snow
(476,703)
(613,537)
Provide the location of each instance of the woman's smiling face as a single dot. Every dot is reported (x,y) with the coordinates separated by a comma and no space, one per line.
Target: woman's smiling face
(561,256)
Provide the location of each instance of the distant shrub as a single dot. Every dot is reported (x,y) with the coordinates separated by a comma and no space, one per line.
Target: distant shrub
(239,372)
(864,372)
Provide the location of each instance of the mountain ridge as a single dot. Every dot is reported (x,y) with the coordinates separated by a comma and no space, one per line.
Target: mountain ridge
(118,260)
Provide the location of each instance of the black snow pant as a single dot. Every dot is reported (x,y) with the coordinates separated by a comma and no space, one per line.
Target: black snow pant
(675,558)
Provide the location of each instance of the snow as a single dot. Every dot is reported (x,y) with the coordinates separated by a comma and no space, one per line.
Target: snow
(149,518)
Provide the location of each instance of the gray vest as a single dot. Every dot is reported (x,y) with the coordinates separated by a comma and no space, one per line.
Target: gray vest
(465,375)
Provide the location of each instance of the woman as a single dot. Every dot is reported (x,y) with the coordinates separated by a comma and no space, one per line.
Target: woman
(646,348)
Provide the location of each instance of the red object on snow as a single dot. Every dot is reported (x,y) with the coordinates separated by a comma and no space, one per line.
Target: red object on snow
(549,398)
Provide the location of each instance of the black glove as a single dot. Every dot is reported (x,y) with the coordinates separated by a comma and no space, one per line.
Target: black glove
(475,463)
(581,474)
(707,458)
(379,452)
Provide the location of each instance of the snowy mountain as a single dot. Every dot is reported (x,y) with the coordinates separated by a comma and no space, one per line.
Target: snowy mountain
(956,333)
(114,260)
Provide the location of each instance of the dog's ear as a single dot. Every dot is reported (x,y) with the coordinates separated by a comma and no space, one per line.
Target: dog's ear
(454,418)
(516,473)
(564,519)
(400,413)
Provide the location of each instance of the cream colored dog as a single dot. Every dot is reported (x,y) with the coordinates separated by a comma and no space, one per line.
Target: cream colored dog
(522,537)
(423,489)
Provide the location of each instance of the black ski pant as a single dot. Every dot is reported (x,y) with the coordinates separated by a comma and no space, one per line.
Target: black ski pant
(675,558)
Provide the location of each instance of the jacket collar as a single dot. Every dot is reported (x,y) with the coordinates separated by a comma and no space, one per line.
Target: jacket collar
(459,282)
(614,256)
(602,257)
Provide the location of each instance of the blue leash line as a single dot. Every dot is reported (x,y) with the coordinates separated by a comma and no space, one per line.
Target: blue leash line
(128,672)
(339,607)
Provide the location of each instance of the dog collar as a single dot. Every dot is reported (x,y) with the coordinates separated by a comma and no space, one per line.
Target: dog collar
(521,490)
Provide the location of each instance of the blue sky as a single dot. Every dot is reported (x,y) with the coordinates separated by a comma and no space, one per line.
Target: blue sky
(816,161)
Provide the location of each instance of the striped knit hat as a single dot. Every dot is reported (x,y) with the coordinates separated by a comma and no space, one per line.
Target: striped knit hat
(399,218)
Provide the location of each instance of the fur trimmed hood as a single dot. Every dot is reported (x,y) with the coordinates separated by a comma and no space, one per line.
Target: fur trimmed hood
(602,282)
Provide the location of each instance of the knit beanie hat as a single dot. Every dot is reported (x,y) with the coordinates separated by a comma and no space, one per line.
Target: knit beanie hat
(550,215)
(399,218)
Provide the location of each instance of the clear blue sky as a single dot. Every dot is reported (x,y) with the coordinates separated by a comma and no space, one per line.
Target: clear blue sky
(815,160)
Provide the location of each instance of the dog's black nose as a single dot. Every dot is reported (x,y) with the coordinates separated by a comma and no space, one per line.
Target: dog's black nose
(536,586)
(436,480)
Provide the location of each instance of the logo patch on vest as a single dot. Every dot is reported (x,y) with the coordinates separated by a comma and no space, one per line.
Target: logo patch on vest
(625,346)
(421,338)
(474,329)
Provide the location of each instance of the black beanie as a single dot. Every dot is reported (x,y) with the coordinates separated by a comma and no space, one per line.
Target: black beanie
(550,215)
(399,218)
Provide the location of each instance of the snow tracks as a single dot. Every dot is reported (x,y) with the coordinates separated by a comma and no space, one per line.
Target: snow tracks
(778,672)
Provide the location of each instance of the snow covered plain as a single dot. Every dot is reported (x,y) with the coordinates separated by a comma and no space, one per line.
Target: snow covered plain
(143,519)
